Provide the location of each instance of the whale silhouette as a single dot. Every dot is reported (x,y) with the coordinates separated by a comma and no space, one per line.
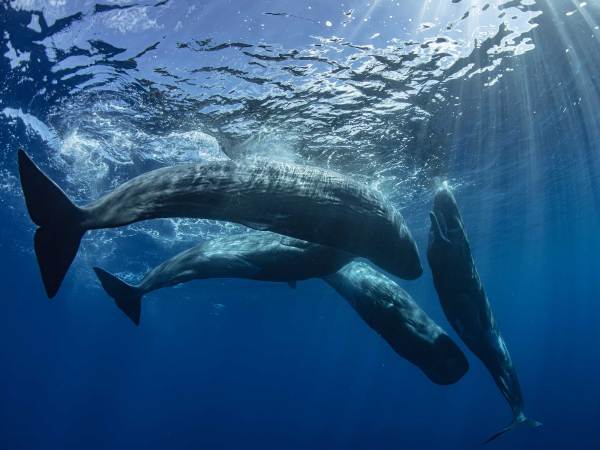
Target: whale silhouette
(392,313)
(303,202)
(255,255)
(466,305)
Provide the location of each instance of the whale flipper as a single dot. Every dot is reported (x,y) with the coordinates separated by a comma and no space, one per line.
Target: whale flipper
(517,423)
(437,229)
(256,225)
(128,298)
(59,234)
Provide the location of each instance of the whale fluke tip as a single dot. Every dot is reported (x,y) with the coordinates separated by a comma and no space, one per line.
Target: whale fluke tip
(520,422)
(57,239)
(127,298)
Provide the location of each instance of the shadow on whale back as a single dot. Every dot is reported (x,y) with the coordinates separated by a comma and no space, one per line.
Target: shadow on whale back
(57,239)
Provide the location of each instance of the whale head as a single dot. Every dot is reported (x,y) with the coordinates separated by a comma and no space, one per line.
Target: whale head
(447,238)
(447,363)
(446,222)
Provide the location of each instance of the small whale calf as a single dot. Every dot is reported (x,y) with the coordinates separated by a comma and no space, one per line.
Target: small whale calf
(255,255)
(466,305)
(303,202)
(393,314)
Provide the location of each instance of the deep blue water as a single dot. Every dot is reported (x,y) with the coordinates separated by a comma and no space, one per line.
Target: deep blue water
(506,110)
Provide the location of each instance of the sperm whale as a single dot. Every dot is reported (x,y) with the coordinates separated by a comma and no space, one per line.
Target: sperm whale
(380,302)
(254,255)
(392,313)
(466,305)
(303,202)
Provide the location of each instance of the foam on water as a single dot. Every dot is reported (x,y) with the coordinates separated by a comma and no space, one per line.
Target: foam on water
(391,93)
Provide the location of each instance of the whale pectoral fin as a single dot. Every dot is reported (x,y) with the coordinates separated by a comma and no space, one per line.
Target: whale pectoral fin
(257,225)
(498,434)
(436,229)
(243,267)
(292,284)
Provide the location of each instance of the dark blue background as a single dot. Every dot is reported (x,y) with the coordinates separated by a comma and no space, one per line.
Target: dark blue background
(280,368)
(275,368)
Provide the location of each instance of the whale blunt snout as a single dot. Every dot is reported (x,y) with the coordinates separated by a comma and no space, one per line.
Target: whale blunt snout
(449,363)
(445,209)
(414,268)
(397,254)
(406,258)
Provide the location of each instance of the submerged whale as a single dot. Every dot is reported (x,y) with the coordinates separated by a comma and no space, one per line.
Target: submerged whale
(264,256)
(256,255)
(466,305)
(303,202)
(393,314)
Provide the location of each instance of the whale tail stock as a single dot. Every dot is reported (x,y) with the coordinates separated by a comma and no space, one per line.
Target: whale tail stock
(128,298)
(58,219)
(519,422)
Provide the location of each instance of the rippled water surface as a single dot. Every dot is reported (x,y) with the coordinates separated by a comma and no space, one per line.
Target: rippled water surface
(498,99)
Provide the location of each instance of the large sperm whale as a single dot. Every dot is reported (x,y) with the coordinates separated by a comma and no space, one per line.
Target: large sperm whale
(392,313)
(466,305)
(256,255)
(303,202)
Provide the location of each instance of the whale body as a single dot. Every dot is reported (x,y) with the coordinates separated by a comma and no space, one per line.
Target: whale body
(392,313)
(303,202)
(466,305)
(264,256)
(261,256)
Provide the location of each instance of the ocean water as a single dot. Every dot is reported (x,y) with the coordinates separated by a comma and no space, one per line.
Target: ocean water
(498,99)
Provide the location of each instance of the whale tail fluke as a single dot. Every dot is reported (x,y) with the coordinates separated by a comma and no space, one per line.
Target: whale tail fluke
(519,422)
(59,220)
(127,297)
